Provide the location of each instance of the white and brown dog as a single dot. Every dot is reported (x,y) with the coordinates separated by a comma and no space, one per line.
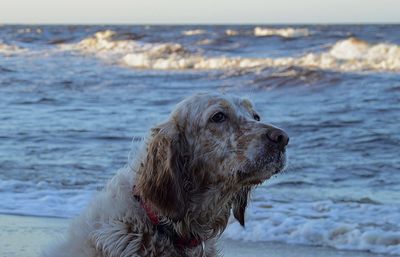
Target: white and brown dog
(177,198)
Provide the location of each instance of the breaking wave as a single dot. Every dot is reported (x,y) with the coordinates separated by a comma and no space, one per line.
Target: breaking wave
(193,32)
(6,49)
(231,32)
(341,225)
(103,42)
(346,55)
(382,55)
(285,32)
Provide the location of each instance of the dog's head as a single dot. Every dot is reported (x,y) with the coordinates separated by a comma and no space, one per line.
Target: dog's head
(210,141)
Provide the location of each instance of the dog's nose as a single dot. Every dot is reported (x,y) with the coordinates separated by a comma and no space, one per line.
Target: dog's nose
(279,137)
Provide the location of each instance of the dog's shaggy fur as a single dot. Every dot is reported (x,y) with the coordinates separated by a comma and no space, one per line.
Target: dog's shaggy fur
(197,167)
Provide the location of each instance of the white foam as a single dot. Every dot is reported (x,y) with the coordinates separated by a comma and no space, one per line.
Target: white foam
(346,55)
(231,32)
(6,49)
(29,30)
(371,56)
(103,46)
(348,49)
(348,226)
(204,42)
(102,43)
(193,32)
(40,199)
(284,32)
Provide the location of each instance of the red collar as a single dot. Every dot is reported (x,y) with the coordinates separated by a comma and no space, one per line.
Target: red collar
(165,229)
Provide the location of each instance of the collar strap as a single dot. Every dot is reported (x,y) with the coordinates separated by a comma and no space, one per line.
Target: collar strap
(165,229)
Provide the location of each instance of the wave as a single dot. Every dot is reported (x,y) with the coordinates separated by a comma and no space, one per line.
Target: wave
(347,55)
(6,49)
(356,49)
(29,30)
(231,32)
(2,69)
(103,42)
(103,45)
(349,224)
(193,32)
(40,199)
(343,225)
(285,32)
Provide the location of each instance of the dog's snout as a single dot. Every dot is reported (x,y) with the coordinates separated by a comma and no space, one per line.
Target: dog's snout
(279,137)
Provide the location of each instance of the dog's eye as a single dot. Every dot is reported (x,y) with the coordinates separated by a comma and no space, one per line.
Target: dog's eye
(256,117)
(218,117)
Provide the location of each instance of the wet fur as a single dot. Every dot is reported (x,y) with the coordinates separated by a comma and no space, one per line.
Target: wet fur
(192,173)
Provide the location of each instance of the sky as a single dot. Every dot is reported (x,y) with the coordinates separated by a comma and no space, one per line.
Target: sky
(198,11)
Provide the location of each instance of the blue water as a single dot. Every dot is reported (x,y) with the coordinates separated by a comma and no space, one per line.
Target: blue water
(71,111)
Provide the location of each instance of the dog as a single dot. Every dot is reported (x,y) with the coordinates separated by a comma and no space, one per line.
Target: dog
(196,169)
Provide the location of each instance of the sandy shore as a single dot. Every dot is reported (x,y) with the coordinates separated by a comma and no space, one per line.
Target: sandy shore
(22,236)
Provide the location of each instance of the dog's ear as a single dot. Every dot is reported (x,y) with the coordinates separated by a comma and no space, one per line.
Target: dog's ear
(239,204)
(163,170)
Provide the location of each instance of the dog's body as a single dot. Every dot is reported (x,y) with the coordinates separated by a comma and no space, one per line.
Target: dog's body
(177,198)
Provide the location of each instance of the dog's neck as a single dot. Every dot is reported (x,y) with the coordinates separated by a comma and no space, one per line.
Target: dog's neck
(205,218)
(207,215)
(165,227)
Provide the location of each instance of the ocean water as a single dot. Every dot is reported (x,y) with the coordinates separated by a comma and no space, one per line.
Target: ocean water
(75,100)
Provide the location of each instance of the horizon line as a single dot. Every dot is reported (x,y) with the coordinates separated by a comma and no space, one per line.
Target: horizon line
(191,23)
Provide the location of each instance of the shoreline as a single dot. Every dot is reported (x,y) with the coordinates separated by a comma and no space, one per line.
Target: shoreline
(26,236)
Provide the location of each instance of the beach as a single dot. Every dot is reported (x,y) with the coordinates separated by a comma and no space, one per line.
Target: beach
(79,101)
(27,236)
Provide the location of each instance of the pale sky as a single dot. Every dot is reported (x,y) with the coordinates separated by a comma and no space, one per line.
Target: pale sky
(199,11)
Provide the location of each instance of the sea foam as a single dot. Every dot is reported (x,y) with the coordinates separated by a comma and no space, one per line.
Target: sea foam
(39,199)
(7,49)
(284,32)
(346,225)
(231,32)
(102,43)
(347,55)
(103,46)
(193,32)
(382,55)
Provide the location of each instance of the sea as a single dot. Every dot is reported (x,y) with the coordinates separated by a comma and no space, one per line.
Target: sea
(76,101)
